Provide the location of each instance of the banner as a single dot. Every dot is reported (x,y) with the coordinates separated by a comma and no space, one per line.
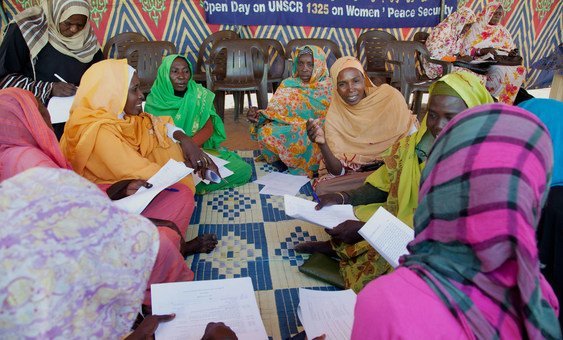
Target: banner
(328,13)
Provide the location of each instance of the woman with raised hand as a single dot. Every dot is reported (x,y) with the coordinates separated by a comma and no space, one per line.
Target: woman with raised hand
(363,120)
(175,94)
(281,128)
(473,270)
(394,185)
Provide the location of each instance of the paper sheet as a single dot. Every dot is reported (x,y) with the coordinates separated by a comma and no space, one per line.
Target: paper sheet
(59,108)
(388,235)
(196,303)
(169,174)
(279,184)
(330,313)
(328,217)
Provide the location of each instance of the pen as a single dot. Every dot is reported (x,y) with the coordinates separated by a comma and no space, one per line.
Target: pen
(316,197)
(171,189)
(59,78)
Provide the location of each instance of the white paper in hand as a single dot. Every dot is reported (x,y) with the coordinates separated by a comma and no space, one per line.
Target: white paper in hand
(329,313)
(328,217)
(169,174)
(388,235)
(196,303)
(59,108)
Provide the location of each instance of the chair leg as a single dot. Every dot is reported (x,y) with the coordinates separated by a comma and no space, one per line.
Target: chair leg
(262,96)
(417,102)
(239,103)
(249,99)
(219,103)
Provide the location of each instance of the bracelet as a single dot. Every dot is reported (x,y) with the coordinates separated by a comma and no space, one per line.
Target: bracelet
(341,195)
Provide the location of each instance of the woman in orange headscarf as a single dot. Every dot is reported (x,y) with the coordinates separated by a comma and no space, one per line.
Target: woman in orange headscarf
(363,120)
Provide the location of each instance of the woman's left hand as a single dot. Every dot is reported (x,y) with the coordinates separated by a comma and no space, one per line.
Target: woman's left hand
(135,185)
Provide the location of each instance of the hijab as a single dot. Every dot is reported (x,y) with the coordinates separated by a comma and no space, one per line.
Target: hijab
(189,112)
(76,266)
(40,25)
(480,201)
(21,125)
(360,133)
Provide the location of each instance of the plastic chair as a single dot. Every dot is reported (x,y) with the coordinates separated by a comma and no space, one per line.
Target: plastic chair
(246,70)
(205,49)
(276,62)
(421,37)
(332,50)
(149,56)
(404,56)
(371,50)
(117,45)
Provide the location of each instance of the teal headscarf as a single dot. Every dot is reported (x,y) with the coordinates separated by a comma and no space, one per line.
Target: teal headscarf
(189,112)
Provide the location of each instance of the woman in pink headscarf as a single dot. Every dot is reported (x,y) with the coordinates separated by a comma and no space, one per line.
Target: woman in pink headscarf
(26,141)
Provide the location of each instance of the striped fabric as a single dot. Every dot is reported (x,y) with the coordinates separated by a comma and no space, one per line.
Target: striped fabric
(40,25)
(480,201)
(39,88)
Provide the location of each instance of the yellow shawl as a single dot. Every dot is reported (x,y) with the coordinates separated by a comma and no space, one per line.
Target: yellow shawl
(104,148)
(360,133)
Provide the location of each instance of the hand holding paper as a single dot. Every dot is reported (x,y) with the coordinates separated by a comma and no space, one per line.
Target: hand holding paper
(328,217)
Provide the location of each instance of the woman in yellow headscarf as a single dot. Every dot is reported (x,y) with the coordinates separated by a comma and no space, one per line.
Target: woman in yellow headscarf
(363,120)
(108,137)
(394,185)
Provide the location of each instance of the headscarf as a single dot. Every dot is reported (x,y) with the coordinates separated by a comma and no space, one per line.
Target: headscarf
(99,101)
(360,133)
(40,25)
(296,101)
(76,266)
(21,125)
(444,38)
(189,112)
(467,86)
(481,196)
(550,112)
(400,176)
(483,35)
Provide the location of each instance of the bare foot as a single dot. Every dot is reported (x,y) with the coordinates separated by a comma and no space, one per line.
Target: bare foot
(201,244)
(315,247)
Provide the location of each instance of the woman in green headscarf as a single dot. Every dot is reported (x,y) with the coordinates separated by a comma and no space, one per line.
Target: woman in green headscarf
(175,94)
(394,185)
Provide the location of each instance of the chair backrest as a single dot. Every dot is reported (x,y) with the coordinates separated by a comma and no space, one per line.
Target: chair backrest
(149,54)
(205,50)
(421,37)
(245,62)
(407,54)
(330,47)
(276,58)
(371,49)
(116,46)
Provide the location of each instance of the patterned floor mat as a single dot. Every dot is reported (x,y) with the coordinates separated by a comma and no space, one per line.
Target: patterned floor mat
(256,239)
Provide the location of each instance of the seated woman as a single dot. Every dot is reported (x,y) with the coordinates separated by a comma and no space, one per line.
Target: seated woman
(42,42)
(473,269)
(281,128)
(27,142)
(67,230)
(362,122)
(175,94)
(486,36)
(395,184)
(550,229)
(446,40)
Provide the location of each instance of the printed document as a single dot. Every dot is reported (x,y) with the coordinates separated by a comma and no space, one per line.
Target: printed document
(388,235)
(169,174)
(328,217)
(196,303)
(329,313)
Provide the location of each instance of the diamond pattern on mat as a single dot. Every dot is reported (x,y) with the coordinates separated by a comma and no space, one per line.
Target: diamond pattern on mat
(286,250)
